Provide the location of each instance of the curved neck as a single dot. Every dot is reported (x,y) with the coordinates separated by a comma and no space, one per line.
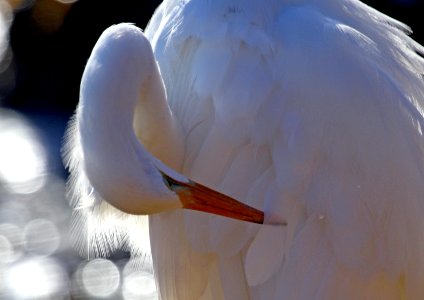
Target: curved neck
(122,83)
(131,100)
(155,125)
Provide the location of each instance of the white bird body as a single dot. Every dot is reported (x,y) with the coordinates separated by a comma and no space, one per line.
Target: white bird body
(309,110)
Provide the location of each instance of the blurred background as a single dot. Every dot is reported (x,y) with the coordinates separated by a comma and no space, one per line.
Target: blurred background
(44,45)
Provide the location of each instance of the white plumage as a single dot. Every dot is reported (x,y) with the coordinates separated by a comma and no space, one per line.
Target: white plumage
(309,110)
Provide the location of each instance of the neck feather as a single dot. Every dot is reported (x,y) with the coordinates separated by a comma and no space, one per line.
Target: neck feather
(120,79)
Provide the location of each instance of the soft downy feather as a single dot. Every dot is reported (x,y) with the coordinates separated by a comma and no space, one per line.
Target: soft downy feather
(99,229)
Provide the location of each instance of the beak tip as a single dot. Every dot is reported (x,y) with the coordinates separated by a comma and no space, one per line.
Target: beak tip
(273,219)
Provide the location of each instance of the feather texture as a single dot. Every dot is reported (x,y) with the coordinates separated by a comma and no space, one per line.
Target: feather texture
(311,110)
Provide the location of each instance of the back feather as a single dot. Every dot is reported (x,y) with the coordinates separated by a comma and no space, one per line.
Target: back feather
(311,110)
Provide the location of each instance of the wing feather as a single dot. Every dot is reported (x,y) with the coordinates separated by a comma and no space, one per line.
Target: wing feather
(316,109)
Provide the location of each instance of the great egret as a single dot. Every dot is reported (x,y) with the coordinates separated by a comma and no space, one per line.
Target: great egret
(309,110)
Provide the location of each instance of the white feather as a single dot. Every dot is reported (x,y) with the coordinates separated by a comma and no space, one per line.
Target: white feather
(327,95)
(311,110)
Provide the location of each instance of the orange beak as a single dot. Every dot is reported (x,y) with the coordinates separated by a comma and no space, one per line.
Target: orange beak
(199,197)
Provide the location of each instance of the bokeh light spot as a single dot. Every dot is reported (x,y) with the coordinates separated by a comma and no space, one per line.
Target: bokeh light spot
(11,237)
(139,285)
(6,250)
(41,236)
(100,278)
(138,280)
(22,159)
(36,278)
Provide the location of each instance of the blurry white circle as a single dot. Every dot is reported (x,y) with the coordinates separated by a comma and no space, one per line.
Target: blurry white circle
(22,158)
(139,285)
(35,278)
(100,278)
(12,237)
(41,236)
(6,250)
(138,280)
